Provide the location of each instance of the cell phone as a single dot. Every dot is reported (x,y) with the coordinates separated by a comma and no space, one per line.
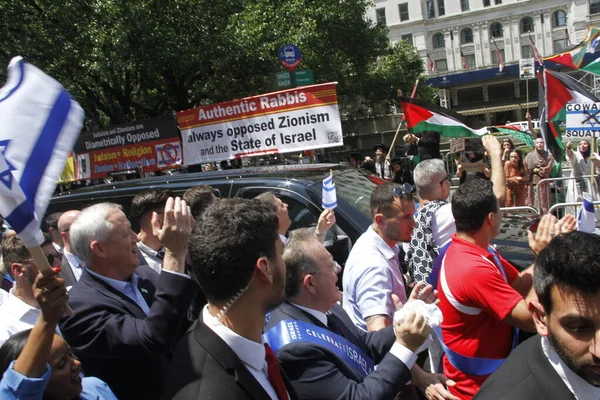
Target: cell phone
(533,227)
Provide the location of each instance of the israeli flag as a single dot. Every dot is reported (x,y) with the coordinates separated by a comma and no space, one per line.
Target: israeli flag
(39,123)
(586,220)
(329,200)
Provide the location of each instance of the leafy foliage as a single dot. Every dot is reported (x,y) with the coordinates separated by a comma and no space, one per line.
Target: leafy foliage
(142,58)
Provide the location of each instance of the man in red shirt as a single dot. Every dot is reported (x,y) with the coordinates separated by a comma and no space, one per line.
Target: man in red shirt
(481,294)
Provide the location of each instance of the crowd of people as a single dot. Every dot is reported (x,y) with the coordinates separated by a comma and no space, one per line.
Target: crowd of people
(201,298)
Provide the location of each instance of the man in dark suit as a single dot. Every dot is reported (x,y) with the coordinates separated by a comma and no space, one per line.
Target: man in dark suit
(127,321)
(315,368)
(236,257)
(563,361)
(71,266)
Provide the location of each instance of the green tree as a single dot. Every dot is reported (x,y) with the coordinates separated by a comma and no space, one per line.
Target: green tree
(132,60)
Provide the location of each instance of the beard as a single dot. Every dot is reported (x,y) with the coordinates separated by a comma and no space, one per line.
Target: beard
(278,295)
(578,366)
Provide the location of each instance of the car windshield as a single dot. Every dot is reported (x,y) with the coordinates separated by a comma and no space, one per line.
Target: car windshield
(354,186)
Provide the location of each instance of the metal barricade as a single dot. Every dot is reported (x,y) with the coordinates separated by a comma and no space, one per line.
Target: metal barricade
(544,187)
(556,207)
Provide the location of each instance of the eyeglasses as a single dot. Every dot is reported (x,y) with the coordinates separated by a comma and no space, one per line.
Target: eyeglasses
(51,257)
(404,190)
(448,178)
(334,266)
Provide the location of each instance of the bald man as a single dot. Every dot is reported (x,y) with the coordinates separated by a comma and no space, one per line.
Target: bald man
(72,267)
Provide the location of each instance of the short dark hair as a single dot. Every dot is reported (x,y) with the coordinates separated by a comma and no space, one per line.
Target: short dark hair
(226,243)
(13,251)
(51,221)
(199,198)
(146,201)
(12,348)
(571,261)
(383,197)
(471,204)
(299,260)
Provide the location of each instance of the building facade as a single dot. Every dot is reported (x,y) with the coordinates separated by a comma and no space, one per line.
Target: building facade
(462,42)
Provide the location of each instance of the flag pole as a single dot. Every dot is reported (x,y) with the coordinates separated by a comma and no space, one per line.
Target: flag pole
(43,266)
(527,91)
(412,95)
(593,170)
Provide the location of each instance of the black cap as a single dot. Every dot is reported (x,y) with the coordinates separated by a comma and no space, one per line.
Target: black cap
(381,146)
(356,156)
(396,160)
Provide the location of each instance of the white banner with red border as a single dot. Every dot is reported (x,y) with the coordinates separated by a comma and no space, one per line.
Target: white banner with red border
(290,120)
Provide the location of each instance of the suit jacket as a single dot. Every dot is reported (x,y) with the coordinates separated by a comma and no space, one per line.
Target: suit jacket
(66,272)
(117,342)
(205,367)
(525,375)
(318,373)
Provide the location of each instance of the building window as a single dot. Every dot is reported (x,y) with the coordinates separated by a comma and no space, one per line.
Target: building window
(560,45)
(559,18)
(441,8)
(526,25)
(464,5)
(495,56)
(438,41)
(403,11)
(503,91)
(380,12)
(470,95)
(441,65)
(496,30)
(470,60)
(408,38)
(466,36)
(430,9)
(497,1)
(526,51)
(594,6)
(486,3)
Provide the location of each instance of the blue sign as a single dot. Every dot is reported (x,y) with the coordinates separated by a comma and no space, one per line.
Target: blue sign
(289,56)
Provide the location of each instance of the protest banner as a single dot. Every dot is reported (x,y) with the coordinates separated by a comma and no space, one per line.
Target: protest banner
(148,145)
(280,122)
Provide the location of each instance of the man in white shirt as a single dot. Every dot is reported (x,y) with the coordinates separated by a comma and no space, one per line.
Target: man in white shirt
(239,266)
(312,361)
(563,361)
(51,226)
(72,267)
(373,273)
(20,310)
(143,206)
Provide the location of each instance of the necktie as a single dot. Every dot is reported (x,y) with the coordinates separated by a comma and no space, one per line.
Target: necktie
(274,374)
(160,255)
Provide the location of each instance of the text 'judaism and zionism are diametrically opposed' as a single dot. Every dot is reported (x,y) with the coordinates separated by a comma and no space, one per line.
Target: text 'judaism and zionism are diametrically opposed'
(287,121)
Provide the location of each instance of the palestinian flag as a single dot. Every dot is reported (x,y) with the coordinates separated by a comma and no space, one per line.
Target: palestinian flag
(593,67)
(424,117)
(572,57)
(515,132)
(559,90)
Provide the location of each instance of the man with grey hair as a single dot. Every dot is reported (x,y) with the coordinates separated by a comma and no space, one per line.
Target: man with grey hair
(71,267)
(312,361)
(127,320)
(434,219)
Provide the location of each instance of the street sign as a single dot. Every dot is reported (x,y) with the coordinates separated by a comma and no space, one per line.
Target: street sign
(583,120)
(289,56)
(303,77)
(526,68)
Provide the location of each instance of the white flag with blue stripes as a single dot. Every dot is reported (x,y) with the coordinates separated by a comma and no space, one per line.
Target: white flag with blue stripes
(39,123)
(329,200)
(586,220)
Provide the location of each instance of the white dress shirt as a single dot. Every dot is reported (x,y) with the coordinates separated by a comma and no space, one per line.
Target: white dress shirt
(252,354)
(75,263)
(128,288)
(3,295)
(399,351)
(284,240)
(577,385)
(150,256)
(16,316)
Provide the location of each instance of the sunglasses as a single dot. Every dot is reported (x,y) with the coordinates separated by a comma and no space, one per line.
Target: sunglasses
(448,178)
(52,257)
(404,190)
